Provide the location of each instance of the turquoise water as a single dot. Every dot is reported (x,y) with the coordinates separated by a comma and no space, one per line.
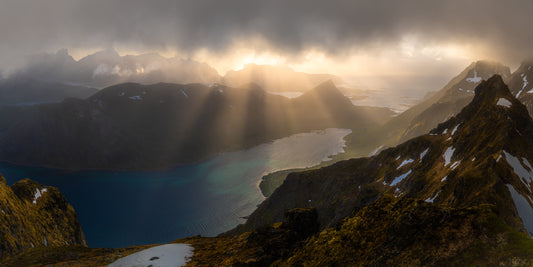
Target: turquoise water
(119,209)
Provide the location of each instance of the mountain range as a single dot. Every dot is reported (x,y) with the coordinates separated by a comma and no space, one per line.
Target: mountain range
(458,195)
(52,77)
(140,127)
(448,183)
(461,193)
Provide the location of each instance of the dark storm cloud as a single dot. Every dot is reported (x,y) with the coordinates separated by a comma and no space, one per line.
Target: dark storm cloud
(289,26)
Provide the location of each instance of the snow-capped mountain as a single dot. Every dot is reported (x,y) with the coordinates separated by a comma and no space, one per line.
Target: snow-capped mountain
(520,84)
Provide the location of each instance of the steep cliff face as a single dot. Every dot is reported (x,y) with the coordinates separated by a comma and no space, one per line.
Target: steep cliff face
(32,215)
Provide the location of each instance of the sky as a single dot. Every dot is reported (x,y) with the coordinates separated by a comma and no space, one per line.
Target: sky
(426,42)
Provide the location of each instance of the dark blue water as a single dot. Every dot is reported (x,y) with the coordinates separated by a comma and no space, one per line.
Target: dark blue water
(119,209)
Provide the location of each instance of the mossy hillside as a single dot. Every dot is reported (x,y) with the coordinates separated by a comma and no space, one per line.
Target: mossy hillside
(32,220)
(456,164)
(410,232)
(76,256)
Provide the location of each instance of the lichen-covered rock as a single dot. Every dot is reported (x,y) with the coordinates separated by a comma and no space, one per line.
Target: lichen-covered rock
(32,215)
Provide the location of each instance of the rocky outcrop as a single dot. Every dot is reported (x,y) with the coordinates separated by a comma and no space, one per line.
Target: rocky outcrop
(32,215)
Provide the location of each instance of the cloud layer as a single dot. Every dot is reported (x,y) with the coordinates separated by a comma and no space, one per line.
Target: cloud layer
(497,29)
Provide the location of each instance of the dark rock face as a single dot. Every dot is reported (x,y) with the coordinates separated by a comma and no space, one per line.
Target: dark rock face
(303,221)
(32,215)
(280,240)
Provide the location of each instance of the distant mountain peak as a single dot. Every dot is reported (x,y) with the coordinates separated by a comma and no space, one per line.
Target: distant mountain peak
(327,85)
(327,91)
(490,96)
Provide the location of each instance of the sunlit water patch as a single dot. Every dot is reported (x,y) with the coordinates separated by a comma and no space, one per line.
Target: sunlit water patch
(118,209)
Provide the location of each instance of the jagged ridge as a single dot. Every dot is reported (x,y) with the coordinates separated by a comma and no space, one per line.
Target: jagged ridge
(479,157)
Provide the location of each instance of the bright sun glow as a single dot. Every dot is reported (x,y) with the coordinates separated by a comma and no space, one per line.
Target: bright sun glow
(401,59)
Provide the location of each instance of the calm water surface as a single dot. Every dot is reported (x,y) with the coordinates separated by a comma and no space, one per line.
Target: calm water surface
(119,209)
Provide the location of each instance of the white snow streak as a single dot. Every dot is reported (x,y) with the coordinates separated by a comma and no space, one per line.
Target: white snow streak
(455,129)
(183,92)
(400,178)
(526,176)
(430,199)
(524,78)
(38,194)
(523,208)
(423,154)
(375,151)
(504,102)
(455,164)
(474,79)
(448,155)
(405,162)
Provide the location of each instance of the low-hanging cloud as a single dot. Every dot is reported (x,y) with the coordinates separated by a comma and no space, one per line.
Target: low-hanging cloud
(337,26)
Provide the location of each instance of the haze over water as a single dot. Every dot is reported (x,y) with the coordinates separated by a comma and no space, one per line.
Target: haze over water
(119,209)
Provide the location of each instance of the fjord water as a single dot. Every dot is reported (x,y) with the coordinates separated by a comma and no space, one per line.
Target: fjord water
(119,209)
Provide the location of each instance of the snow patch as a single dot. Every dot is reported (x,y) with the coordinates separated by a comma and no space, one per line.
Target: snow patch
(38,194)
(474,79)
(121,94)
(455,129)
(455,164)
(445,131)
(431,199)
(400,178)
(523,208)
(423,154)
(474,159)
(448,155)
(398,157)
(375,151)
(524,79)
(405,162)
(185,94)
(135,97)
(165,255)
(444,179)
(504,102)
(526,176)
